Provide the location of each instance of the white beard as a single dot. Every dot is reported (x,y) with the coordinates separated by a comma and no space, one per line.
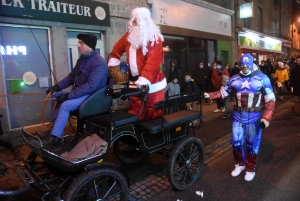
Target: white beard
(135,38)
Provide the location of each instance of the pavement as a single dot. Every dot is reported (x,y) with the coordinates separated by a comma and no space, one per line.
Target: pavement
(277,176)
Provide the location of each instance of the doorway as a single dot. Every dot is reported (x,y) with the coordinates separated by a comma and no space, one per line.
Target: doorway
(73,53)
(224,57)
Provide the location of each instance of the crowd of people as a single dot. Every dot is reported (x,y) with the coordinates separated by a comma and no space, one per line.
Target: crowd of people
(213,77)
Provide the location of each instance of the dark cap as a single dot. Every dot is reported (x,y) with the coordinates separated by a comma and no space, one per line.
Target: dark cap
(219,63)
(89,39)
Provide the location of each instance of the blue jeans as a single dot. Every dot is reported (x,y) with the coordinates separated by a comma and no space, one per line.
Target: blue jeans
(63,114)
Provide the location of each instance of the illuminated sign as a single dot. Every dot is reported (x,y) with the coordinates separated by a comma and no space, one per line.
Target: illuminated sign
(256,41)
(246,10)
(13,50)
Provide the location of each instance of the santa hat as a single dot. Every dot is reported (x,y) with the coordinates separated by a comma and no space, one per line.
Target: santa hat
(141,12)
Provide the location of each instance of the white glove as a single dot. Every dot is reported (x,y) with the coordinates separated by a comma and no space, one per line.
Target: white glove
(265,122)
(113,62)
(206,95)
(142,81)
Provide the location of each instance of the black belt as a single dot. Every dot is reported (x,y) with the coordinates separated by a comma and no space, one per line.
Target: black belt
(245,109)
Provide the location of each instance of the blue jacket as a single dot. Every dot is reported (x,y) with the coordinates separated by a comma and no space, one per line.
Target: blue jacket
(88,76)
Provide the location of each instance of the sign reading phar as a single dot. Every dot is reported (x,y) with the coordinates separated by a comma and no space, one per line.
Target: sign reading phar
(13,50)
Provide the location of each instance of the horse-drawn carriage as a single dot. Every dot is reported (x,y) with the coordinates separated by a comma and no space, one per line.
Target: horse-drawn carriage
(93,178)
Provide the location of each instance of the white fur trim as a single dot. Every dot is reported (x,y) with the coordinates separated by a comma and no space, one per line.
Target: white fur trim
(113,62)
(142,11)
(142,81)
(155,87)
(132,61)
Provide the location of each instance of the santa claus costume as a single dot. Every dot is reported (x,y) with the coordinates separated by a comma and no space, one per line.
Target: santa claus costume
(142,44)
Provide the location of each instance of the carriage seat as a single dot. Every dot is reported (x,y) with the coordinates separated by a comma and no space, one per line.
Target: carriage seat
(122,117)
(97,103)
(167,121)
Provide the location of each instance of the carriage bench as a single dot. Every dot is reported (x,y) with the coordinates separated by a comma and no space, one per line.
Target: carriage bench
(121,117)
(167,121)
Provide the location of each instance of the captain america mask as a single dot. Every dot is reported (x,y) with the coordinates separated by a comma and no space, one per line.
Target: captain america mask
(246,63)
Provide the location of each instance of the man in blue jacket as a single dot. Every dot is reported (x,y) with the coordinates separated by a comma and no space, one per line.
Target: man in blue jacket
(89,75)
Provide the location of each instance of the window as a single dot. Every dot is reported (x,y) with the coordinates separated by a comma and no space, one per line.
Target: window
(25,50)
(260,20)
(274,27)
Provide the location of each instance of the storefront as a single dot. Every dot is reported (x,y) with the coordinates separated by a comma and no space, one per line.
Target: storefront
(38,48)
(193,32)
(262,47)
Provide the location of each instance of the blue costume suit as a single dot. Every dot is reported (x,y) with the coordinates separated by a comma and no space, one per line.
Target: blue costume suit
(254,100)
(251,92)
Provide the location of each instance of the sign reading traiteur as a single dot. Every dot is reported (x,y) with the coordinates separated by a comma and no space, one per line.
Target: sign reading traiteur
(71,11)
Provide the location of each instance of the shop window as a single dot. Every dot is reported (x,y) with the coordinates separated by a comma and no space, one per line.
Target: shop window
(260,19)
(274,27)
(26,68)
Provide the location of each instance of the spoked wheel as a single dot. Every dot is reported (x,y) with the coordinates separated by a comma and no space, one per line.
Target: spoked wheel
(104,183)
(128,152)
(185,162)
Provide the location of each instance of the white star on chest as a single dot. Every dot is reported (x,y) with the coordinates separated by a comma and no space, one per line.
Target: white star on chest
(245,84)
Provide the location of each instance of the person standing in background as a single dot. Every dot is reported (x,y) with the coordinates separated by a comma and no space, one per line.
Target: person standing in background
(174,72)
(226,100)
(235,69)
(201,76)
(295,86)
(228,69)
(209,86)
(281,76)
(216,79)
(172,90)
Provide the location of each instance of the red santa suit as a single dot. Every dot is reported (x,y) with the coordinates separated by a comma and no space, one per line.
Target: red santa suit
(147,67)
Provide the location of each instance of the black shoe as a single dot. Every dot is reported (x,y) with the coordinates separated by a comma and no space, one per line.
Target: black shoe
(49,140)
(226,115)
(296,115)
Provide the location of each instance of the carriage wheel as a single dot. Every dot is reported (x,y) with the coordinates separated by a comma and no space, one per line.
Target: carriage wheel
(104,183)
(128,153)
(185,162)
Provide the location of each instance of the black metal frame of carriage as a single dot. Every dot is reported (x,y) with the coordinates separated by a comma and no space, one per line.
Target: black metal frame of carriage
(61,179)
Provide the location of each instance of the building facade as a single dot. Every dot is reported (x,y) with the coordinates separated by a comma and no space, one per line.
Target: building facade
(265,32)
(39,45)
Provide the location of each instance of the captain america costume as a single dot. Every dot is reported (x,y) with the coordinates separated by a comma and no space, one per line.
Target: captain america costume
(254,101)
